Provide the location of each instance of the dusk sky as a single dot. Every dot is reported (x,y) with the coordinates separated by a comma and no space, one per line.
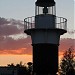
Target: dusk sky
(15,45)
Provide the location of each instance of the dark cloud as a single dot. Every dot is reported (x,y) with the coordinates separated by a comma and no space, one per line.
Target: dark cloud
(13,27)
(71,31)
(10,44)
(67,43)
(16,22)
(3,21)
(7,30)
(10,27)
(20,46)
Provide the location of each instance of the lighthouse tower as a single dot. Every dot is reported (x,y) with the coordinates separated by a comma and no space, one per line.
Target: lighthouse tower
(45,29)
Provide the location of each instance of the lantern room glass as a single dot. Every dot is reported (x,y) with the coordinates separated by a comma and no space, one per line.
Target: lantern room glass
(39,10)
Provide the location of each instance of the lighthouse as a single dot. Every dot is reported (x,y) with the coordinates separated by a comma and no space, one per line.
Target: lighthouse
(45,29)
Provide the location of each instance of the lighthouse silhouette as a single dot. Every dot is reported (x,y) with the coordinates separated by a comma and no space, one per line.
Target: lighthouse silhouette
(45,29)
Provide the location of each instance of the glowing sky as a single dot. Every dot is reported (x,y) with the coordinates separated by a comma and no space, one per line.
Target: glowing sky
(15,46)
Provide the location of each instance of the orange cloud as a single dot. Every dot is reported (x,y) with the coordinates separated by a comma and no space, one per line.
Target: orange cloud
(21,51)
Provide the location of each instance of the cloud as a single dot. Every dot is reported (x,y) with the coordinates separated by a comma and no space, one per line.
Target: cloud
(9,30)
(10,44)
(20,46)
(12,37)
(10,27)
(4,21)
(66,43)
(71,31)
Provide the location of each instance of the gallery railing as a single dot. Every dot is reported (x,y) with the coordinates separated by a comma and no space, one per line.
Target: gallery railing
(61,23)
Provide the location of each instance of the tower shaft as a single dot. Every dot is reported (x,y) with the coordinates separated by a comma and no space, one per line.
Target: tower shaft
(44,58)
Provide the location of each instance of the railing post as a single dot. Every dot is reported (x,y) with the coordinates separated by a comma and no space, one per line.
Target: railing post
(24,24)
(31,22)
(60,23)
(52,10)
(38,10)
(56,22)
(66,24)
(28,22)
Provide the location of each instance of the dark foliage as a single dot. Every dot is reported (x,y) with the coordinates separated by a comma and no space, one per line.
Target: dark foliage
(67,65)
(22,69)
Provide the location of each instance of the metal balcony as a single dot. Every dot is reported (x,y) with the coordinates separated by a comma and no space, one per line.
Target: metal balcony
(61,23)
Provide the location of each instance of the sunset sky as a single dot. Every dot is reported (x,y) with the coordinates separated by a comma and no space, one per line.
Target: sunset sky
(15,45)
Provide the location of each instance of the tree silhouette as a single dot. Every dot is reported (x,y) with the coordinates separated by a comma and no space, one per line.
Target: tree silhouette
(21,69)
(67,65)
(11,65)
(29,67)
